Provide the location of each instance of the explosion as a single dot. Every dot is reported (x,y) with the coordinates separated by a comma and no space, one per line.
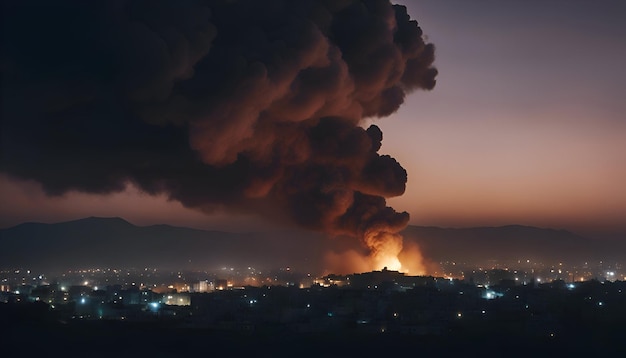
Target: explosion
(384,250)
(237,105)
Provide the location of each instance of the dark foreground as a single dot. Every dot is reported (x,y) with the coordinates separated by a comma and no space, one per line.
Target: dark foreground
(25,333)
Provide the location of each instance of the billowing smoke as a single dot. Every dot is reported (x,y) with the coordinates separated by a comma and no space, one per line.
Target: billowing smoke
(247,105)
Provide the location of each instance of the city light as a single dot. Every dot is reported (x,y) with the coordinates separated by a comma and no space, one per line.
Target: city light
(209,177)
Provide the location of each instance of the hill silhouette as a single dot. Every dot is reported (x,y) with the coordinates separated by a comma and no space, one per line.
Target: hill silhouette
(114,242)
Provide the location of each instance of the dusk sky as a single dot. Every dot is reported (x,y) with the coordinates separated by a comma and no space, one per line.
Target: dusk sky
(526,125)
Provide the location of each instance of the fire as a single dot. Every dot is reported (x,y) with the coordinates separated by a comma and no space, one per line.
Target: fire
(391,263)
(386,250)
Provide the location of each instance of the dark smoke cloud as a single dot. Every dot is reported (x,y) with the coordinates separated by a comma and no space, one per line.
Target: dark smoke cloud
(248,105)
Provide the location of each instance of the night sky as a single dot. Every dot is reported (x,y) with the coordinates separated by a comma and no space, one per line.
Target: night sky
(243,115)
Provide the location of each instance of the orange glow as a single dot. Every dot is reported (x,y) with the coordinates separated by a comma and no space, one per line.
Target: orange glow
(390,262)
(385,250)
(346,262)
(413,261)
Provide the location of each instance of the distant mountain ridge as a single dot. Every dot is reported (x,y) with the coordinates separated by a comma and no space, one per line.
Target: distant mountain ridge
(511,242)
(95,241)
(115,242)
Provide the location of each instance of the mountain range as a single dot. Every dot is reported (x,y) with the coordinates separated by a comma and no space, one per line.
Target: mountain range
(114,242)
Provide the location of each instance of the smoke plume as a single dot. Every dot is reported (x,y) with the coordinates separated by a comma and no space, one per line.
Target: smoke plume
(247,105)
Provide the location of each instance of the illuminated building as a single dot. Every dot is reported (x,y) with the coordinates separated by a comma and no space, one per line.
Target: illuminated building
(203,286)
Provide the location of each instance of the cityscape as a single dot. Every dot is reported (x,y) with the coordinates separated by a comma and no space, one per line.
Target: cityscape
(521,272)
(313,178)
(559,307)
(545,308)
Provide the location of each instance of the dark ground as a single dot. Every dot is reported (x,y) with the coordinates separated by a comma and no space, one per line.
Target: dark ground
(25,332)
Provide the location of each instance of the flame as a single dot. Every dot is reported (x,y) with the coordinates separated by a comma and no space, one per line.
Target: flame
(386,250)
(390,262)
